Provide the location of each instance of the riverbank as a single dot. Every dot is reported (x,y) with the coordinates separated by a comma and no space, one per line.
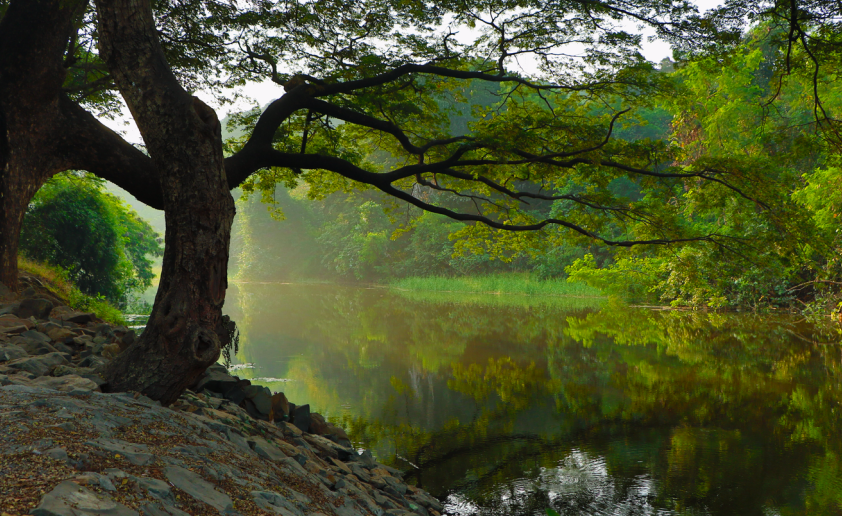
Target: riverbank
(230,448)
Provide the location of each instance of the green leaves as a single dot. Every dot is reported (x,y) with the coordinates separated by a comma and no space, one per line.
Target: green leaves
(105,247)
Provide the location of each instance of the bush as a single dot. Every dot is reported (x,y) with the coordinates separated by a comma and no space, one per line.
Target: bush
(100,243)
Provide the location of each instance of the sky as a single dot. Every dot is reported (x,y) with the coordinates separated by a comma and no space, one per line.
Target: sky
(267,91)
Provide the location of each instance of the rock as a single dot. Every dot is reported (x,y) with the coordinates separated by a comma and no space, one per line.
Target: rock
(262,398)
(134,453)
(12,352)
(159,509)
(216,381)
(78,318)
(318,425)
(93,361)
(10,309)
(301,417)
(275,503)
(13,321)
(59,334)
(36,335)
(57,453)
(111,351)
(40,365)
(235,395)
(66,383)
(13,330)
(127,340)
(39,308)
(266,449)
(194,485)
(280,407)
(37,347)
(70,499)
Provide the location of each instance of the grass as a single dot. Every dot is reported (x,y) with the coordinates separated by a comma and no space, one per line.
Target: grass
(55,279)
(517,290)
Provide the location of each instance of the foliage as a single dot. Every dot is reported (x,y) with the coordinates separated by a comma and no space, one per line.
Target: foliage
(103,245)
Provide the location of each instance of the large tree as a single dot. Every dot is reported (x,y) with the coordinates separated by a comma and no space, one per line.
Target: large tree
(353,78)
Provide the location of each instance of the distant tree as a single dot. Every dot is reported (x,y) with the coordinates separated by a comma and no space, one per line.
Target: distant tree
(102,244)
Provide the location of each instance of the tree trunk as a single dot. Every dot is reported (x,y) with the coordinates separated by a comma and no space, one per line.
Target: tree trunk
(33,37)
(184,333)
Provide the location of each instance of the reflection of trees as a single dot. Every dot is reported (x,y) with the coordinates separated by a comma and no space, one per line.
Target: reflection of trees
(510,411)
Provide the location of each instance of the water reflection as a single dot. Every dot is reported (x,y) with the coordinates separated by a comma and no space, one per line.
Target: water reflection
(510,408)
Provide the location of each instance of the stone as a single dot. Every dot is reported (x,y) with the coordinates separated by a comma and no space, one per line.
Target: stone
(195,486)
(318,425)
(12,320)
(78,318)
(92,361)
(127,340)
(37,347)
(39,308)
(36,335)
(157,488)
(275,503)
(216,381)
(13,330)
(301,417)
(235,395)
(367,459)
(10,309)
(111,350)
(39,365)
(159,509)
(70,499)
(265,449)
(134,453)
(56,453)
(66,383)
(65,370)
(11,352)
(280,407)
(261,397)
(59,334)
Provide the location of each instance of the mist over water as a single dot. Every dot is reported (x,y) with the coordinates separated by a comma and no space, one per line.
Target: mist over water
(588,408)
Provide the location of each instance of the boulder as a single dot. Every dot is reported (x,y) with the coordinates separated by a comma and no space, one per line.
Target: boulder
(261,397)
(36,347)
(65,383)
(318,425)
(280,407)
(12,352)
(70,499)
(39,365)
(216,381)
(13,321)
(301,418)
(39,308)
(78,318)
(60,334)
(35,335)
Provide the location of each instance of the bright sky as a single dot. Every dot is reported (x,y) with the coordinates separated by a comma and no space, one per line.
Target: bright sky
(267,91)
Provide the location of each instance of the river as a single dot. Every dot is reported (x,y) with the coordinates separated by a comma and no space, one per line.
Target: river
(510,405)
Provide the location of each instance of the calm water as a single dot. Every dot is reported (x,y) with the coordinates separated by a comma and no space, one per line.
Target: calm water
(499,406)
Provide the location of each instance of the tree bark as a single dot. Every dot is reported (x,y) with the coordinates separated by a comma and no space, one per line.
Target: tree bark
(184,333)
(33,37)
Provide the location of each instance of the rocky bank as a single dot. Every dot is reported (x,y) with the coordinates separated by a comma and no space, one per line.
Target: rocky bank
(225,447)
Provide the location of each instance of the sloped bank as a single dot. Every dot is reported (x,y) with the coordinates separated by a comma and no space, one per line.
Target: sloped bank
(67,449)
